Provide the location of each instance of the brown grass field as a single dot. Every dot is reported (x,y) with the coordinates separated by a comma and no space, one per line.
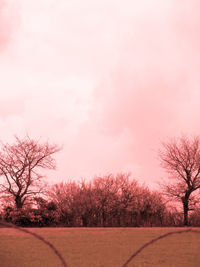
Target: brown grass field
(98,247)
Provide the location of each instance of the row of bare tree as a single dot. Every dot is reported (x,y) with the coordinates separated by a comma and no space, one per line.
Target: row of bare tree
(105,201)
(109,201)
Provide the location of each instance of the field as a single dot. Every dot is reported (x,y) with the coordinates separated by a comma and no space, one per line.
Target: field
(98,247)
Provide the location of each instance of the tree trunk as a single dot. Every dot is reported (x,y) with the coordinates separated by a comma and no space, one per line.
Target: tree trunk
(84,220)
(185,201)
(18,202)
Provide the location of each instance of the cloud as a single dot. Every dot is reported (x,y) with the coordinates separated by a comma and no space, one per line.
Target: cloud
(107,79)
(153,90)
(9,21)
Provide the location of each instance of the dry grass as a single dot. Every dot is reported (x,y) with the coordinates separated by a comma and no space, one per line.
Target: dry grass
(98,247)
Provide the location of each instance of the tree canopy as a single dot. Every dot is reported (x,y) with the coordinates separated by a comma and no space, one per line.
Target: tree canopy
(181,159)
(20,168)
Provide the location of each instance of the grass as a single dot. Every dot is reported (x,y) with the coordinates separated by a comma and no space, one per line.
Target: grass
(98,247)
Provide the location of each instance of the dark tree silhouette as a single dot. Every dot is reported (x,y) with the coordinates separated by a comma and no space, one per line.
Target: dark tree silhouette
(181,159)
(20,168)
(111,200)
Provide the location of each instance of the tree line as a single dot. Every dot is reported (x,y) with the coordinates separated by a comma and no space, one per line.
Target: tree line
(108,201)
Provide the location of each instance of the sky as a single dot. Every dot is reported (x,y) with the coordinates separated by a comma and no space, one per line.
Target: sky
(107,80)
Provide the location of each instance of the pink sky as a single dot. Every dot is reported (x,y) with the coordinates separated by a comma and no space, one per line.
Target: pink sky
(109,80)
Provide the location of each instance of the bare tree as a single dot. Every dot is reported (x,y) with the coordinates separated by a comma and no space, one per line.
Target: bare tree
(181,159)
(20,167)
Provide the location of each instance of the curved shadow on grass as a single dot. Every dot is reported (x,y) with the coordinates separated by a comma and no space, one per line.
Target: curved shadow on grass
(58,254)
(156,239)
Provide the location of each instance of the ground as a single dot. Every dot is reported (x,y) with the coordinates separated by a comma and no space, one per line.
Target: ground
(98,247)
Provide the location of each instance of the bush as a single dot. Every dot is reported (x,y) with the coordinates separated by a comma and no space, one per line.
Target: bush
(32,217)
